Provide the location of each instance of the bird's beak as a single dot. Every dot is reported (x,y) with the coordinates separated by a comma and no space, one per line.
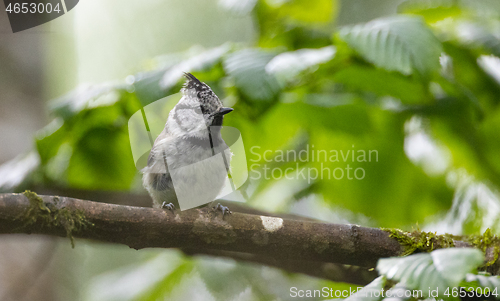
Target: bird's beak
(224,111)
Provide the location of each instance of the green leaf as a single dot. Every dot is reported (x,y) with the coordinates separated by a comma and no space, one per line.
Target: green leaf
(415,272)
(287,65)
(371,292)
(247,68)
(147,86)
(441,269)
(455,263)
(475,281)
(398,43)
(86,97)
(71,150)
(376,133)
(400,293)
(383,83)
(49,139)
(102,159)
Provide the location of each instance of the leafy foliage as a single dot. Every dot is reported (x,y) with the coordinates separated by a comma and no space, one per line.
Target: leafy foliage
(247,68)
(398,89)
(354,93)
(436,274)
(369,292)
(398,43)
(287,65)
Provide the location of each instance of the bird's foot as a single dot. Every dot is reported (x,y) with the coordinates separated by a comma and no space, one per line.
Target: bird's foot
(168,206)
(222,209)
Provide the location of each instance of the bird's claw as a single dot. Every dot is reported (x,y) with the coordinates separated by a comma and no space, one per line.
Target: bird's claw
(225,210)
(168,206)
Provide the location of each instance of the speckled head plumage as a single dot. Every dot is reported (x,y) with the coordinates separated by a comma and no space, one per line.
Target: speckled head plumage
(209,102)
(198,109)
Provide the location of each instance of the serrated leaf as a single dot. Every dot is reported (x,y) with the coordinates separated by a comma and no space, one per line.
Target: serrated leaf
(247,67)
(439,270)
(287,65)
(400,293)
(371,292)
(454,264)
(398,43)
(411,271)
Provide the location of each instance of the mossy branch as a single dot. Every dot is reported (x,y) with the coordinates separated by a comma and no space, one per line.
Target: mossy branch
(52,215)
(266,237)
(420,241)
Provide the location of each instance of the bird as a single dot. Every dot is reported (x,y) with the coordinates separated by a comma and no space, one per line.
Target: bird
(184,164)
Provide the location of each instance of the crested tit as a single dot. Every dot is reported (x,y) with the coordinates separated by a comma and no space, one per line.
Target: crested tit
(184,165)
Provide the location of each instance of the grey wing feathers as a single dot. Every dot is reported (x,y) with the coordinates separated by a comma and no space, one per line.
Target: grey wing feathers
(157,162)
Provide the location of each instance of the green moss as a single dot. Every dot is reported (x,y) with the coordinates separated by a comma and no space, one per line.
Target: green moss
(495,257)
(482,241)
(485,241)
(51,216)
(421,241)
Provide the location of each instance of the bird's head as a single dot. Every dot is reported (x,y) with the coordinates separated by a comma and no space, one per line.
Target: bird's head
(200,95)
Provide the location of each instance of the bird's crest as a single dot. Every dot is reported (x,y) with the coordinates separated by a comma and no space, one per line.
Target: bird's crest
(209,102)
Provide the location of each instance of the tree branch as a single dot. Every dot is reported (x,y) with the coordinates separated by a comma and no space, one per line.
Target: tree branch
(140,227)
(258,238)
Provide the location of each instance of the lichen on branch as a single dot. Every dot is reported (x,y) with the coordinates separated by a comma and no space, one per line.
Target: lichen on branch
(41,214)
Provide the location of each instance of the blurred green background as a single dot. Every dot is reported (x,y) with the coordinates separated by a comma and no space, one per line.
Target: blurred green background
(417,82)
